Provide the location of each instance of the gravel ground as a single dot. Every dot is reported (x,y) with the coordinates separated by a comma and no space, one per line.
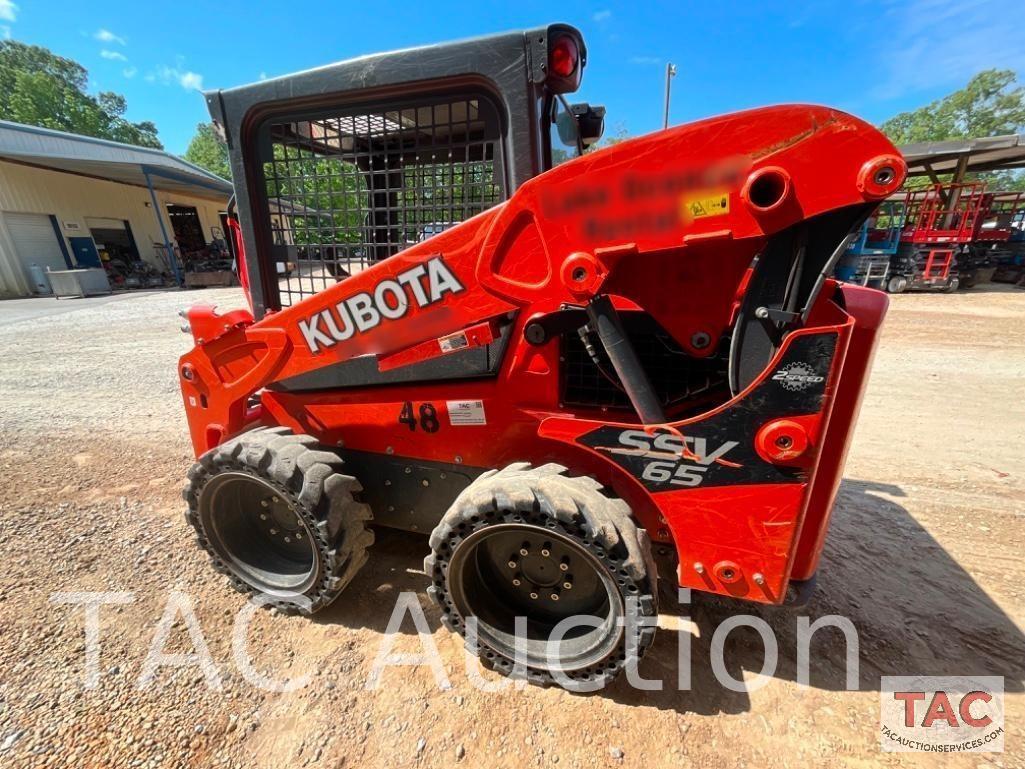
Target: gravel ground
(924,558)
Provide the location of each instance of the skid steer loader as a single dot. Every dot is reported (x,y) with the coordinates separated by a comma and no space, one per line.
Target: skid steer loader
(550,371)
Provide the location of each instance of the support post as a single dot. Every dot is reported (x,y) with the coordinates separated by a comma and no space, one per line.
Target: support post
(175,268)
(955,192)
(670,74)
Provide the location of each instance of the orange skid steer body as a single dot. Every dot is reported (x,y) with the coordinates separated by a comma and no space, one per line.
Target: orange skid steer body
(653,318)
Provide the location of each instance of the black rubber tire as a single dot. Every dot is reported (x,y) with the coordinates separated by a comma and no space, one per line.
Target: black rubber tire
(896,284)
(577,507)
(951,287)
(309,477)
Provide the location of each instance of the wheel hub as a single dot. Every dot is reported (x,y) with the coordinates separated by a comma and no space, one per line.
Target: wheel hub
(259,534)
(541,566)
(509,570)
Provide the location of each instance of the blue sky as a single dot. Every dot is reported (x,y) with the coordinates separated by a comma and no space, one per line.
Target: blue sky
(871,58)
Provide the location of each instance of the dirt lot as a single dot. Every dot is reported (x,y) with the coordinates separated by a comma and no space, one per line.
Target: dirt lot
(925,558)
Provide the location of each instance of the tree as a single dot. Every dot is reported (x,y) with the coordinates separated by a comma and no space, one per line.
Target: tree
(39,88)
(991,104)
(988,106)
(206,150)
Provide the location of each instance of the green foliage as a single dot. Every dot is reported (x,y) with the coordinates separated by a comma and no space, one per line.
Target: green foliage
(40,88)
(1005,181)
(206,150)
(327,199)
(991,104)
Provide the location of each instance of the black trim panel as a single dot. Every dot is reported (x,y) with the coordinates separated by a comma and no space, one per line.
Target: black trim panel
(797,386)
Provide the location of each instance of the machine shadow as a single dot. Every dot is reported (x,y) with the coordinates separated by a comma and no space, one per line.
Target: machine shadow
(915,609)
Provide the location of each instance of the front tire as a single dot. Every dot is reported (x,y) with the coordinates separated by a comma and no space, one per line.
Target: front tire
(534,543)
(279,518)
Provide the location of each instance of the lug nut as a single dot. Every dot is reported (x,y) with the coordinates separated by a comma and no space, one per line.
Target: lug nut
(263,516)
(524,551)
(516,582)
(759,579)
(567,585)
(273,531)
(699,567)
(264,502)
(288,539)
(555,596)
(534,596)
(512,564)
(564,566)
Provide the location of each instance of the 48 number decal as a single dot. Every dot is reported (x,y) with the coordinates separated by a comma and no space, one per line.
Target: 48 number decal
(428,417)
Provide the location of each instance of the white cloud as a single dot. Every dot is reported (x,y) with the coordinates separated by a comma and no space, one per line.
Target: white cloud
(113,55)
(943,43)
(187,79)
(129,72)
(5,32)
(8,11)
(603,15)
(263,76)
(105,36)
(191,80)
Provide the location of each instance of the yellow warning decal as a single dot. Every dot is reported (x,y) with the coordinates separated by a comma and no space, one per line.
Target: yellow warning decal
(707,205)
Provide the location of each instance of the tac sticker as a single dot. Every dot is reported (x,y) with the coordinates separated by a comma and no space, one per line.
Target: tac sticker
(453,342)
(709,205)
(192,401)
(466,413)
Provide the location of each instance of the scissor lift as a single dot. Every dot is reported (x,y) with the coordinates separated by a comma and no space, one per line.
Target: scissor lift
(940,222)
(1010,259)
(997,251)
(867,259)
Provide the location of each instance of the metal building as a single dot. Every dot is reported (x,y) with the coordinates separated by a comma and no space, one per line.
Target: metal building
(76,201)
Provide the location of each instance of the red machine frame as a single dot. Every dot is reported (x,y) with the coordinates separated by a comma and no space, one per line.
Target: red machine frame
(693,205)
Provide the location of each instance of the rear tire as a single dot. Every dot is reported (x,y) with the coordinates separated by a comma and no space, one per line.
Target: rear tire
(535,543)
(279,518)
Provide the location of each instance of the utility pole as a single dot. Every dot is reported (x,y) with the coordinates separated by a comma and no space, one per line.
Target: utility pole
(670,74)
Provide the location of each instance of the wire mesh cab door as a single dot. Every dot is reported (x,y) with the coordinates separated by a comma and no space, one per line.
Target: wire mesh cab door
(346,188)
(341,166)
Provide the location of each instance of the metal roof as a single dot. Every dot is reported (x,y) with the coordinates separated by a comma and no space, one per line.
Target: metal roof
(990,153)
(100,158)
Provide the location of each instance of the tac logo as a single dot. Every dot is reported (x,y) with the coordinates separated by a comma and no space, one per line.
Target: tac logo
(942,714)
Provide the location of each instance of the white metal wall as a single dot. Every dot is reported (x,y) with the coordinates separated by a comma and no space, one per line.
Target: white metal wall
(73,199)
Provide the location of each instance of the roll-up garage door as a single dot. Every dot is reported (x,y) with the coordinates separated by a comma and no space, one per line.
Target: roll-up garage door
(35,241)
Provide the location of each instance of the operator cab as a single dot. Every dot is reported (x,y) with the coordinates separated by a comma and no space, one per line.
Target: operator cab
(342,166)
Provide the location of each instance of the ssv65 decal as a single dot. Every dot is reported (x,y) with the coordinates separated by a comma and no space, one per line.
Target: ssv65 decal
(674,459)
(390,299)
(720,449)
